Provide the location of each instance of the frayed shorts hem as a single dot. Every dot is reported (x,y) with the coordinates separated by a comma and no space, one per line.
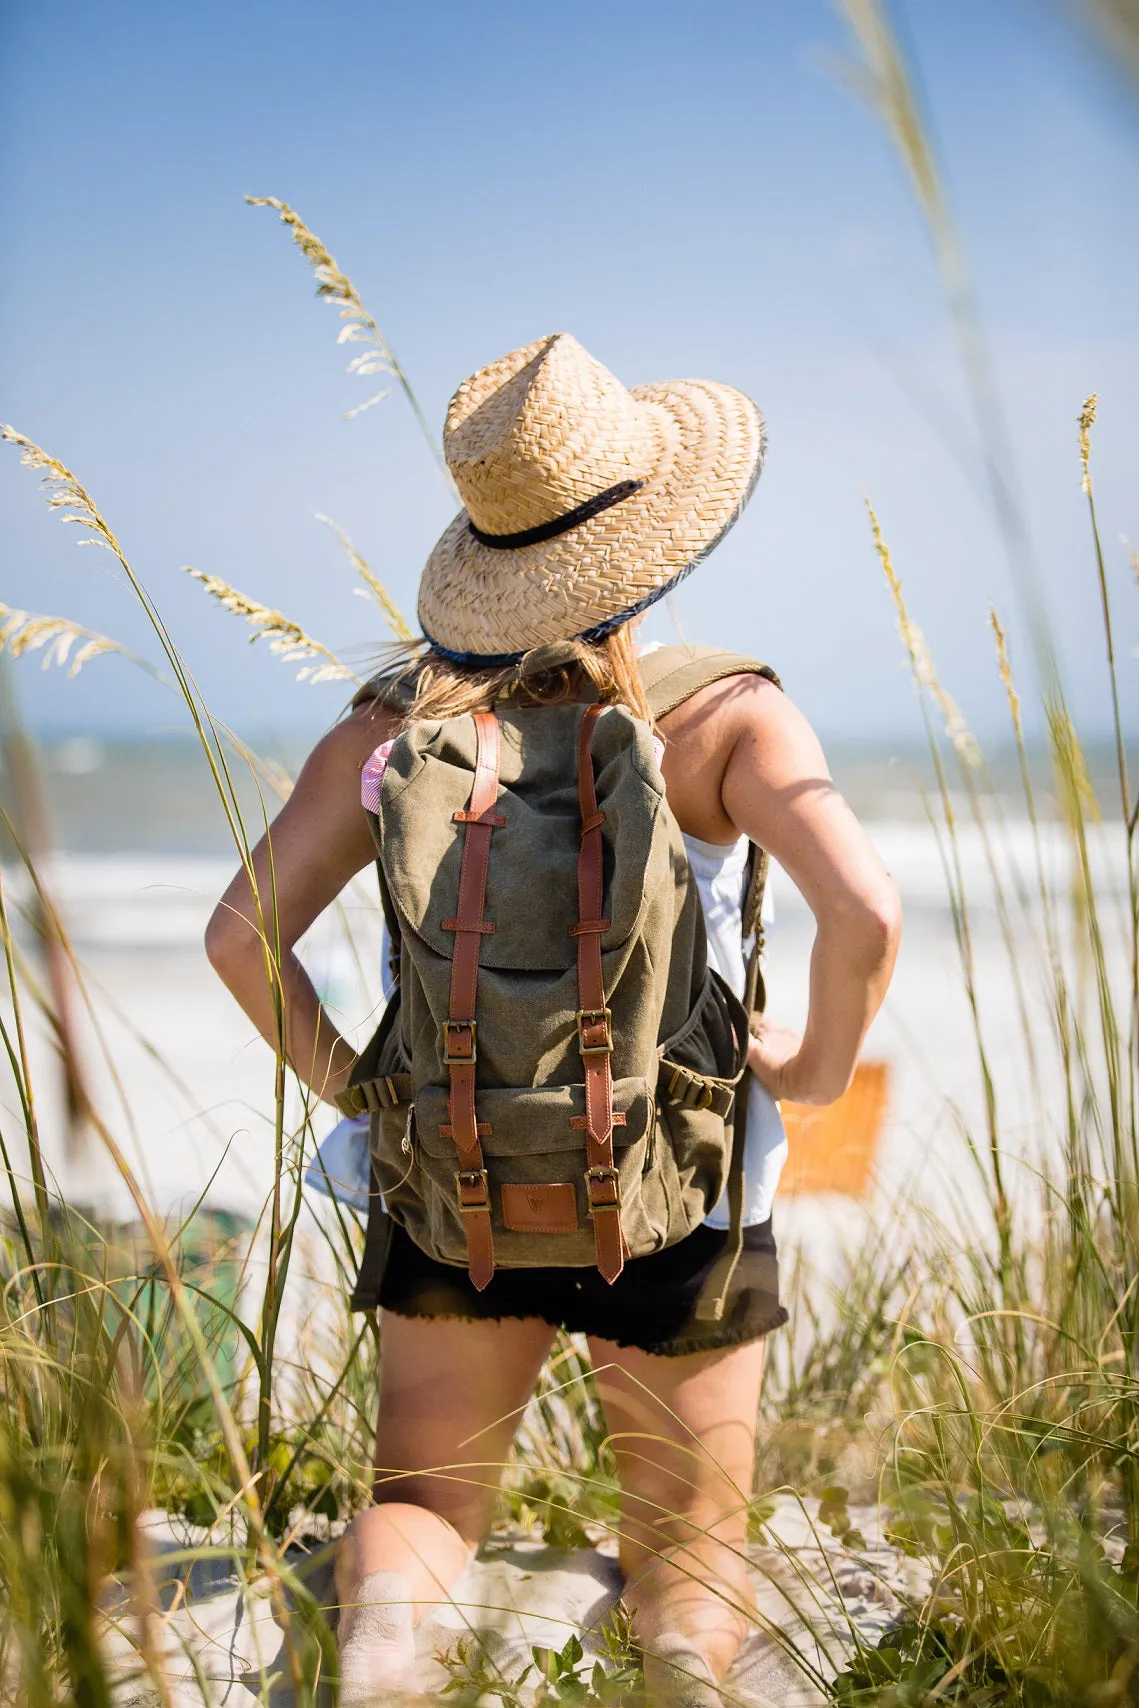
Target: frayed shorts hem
(652,1306)
(716,1341)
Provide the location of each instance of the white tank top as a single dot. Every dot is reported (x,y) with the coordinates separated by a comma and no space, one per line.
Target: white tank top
(719,873)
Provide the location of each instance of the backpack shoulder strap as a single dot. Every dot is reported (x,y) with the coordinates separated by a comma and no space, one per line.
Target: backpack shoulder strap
(672,674)
(394,688)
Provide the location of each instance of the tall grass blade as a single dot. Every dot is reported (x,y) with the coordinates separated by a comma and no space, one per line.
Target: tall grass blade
(372,582)
(359,327)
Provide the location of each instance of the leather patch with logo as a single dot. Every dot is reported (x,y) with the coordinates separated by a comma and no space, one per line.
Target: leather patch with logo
(540,1209)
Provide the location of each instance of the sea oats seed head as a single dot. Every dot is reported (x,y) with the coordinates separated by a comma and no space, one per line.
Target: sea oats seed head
(335,286)
(31,631)
(1087,422)
(287,640)
(63,492)
(1005,670)
(372,582)
(921,659)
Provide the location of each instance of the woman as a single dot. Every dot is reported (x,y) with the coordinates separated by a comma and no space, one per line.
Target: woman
(584,502)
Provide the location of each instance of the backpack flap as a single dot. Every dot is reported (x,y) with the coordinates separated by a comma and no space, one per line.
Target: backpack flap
(533,1143)
(531,887)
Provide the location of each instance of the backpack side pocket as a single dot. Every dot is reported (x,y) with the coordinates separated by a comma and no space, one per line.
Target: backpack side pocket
(380,1085)
(700,1067)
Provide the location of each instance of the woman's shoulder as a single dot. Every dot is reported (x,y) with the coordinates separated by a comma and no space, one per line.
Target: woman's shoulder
(717,712)
(336,763)
(702,737)
(741,723)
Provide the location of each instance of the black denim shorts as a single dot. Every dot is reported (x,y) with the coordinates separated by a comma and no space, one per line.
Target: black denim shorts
(651,1305)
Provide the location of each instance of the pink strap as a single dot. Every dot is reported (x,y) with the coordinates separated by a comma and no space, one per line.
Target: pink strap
(373,775)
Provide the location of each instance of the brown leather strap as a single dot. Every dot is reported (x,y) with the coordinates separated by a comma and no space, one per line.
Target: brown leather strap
(594,1030)
(460,1030)
(374,1095)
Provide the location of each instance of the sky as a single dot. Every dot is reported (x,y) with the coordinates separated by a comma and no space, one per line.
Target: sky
(692,190)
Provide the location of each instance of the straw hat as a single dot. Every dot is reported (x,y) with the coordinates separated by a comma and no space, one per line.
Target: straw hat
(584,501)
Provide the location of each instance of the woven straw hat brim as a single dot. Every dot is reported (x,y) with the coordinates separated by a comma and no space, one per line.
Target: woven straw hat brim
(483,606)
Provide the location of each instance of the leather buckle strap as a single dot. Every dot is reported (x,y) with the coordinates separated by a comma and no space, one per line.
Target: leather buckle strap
(598,1181)
(595,1031)
(594,1020)
(459,1039)
(459,1033)
(472,1189)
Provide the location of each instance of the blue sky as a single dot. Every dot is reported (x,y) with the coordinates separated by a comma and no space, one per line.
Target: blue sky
(691,190)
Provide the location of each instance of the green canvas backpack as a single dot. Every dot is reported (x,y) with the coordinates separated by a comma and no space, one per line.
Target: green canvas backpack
(558,1077)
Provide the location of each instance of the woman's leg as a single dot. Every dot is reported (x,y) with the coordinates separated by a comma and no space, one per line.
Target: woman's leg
(683,1431)
(451,1391)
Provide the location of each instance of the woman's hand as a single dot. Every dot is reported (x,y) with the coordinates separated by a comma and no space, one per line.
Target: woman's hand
(770,1053)
(782,1065)
(781,1059)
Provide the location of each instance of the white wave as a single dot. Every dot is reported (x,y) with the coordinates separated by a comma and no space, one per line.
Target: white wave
(160,901)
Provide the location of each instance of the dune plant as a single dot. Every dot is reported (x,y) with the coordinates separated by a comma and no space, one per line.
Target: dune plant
(1013,1399)
(286,639)
(224,1453)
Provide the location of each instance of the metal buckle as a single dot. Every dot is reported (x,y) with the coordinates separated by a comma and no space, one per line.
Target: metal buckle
(447,1030)
(595,1017)
(472,1176)
(594,1176)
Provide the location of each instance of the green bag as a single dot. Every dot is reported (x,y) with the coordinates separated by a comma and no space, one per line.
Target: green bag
(554,1079)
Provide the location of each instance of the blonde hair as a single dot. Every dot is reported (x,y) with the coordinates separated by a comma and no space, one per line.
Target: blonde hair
(443,689)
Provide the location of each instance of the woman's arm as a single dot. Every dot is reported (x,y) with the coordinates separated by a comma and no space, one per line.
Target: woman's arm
(774,786)
(319,840)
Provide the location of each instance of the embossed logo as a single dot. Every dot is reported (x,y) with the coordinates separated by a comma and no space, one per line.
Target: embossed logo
(533,1208)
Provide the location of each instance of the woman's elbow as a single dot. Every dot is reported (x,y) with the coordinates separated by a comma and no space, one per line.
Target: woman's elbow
(229,940)
(869,925)
(883,918)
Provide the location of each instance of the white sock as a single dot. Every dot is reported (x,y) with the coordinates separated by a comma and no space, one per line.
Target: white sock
(377,1641)
(677,1675)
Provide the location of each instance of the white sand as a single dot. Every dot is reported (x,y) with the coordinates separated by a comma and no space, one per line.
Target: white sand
(223,1644)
